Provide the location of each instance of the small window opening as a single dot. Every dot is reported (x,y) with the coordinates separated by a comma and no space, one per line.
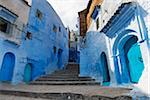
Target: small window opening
(29,36)
(59,29)
(4,26)
(39,14)
(97,23)
(54,28)
(54,49)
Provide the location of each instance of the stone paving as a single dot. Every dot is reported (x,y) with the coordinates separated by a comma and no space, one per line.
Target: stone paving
(83,90)
(65,92)
(6,97)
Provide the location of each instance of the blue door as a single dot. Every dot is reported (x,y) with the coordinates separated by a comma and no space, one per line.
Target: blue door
(105,71)
(136,65)
(59,56)
(27,73)
(7,68)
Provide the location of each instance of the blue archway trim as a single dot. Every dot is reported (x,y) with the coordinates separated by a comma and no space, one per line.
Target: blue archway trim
(117,72)
(115,55)
(119,37)
(141,13)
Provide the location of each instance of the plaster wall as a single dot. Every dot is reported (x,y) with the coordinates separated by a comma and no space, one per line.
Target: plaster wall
(142,32)
(44,39)
(90,63)
(19,7)
(38,50)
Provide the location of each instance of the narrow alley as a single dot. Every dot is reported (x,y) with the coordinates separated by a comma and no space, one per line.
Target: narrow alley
(74,50)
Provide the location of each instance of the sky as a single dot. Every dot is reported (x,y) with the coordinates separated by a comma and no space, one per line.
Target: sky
(68,10)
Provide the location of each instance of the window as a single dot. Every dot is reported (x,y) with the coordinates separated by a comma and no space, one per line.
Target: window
(4,26)
(54,50)
(95,12)
(39,14)
(97,23)
(54,28)
(59,29)
(28,35)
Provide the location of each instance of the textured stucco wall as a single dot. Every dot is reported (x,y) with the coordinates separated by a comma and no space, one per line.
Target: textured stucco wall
(90,63)
(19,53)
(18,7)
(38,50)
(21,10)
(142,25)
(40,47)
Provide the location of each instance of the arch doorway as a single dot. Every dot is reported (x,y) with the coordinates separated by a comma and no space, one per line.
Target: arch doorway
(105,70)
(128,61)
(28,73)
(59,56)
(133,59)
(7,68)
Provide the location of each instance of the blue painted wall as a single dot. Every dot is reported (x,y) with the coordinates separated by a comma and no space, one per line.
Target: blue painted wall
(90,63)
(38,50)
(43,38)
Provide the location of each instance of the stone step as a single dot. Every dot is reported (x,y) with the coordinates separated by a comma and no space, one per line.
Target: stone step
(18,97)
(64,83)
(22,95)
(73,67)
(61,77)
(65,79)
(26,95)
(79,78)
(65,72)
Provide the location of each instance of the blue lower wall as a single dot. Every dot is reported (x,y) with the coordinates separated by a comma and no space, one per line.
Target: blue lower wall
(90,64)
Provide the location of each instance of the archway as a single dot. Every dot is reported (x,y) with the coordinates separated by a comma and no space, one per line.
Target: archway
(120,41)
(133,59)
(7,68)
(28,73)
(59,56)
(105,70)
(131,64)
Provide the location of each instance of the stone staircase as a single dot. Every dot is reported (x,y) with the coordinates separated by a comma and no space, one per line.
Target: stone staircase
(65,84)
(67,76)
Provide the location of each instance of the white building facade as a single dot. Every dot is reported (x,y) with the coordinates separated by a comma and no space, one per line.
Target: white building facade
(121,48)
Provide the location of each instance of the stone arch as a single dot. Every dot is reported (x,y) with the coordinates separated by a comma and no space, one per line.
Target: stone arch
(7,68)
